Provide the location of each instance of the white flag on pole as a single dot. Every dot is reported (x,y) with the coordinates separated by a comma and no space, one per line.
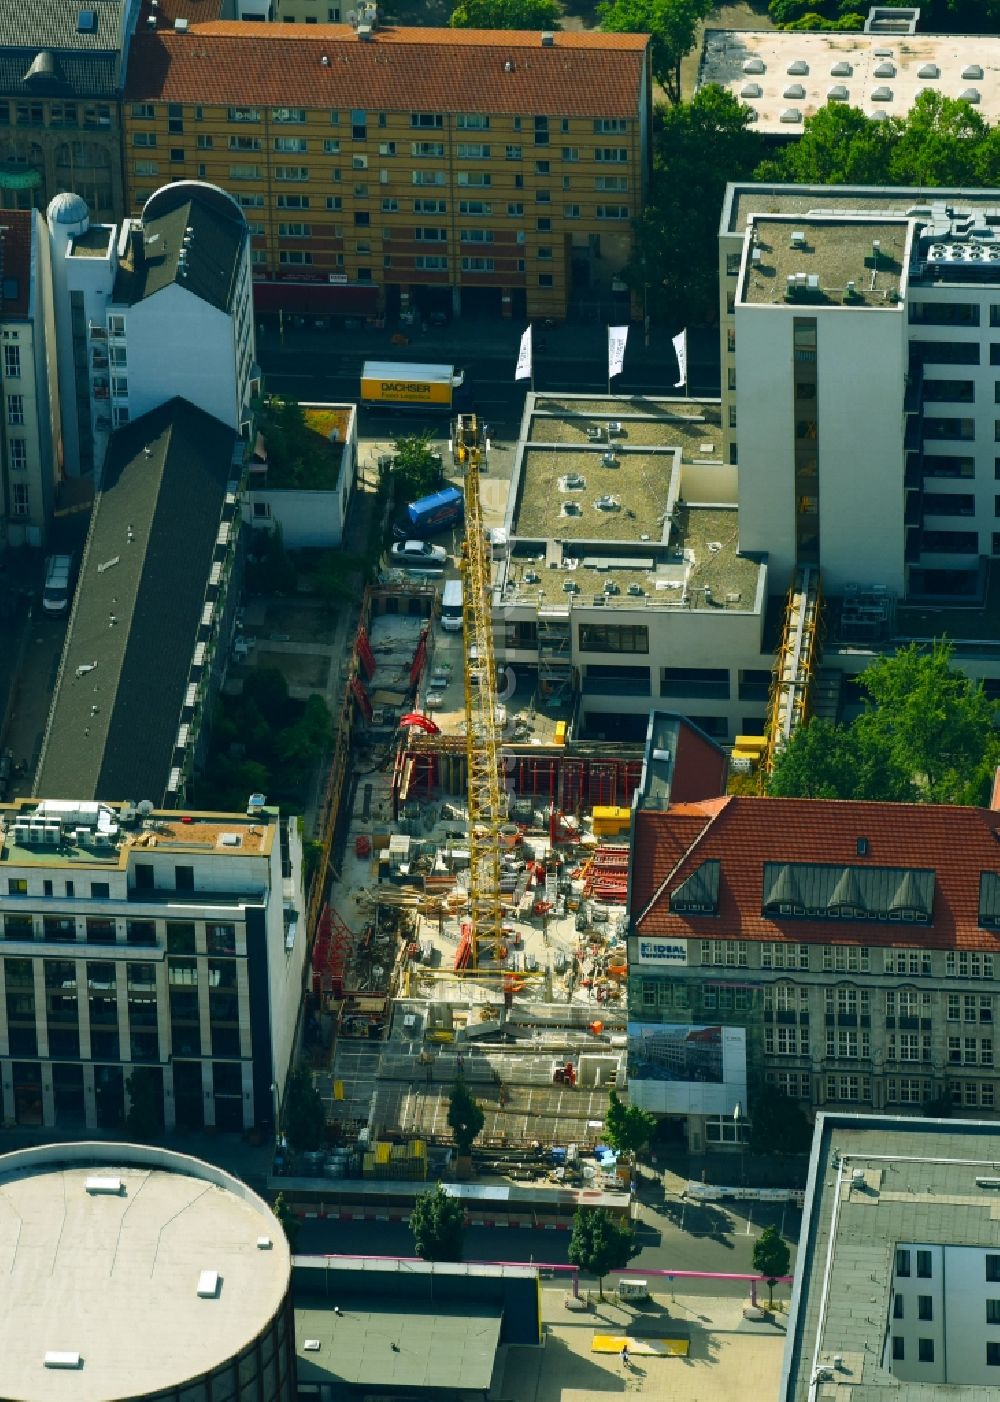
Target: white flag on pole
(617,336)
(523,368)
(681,352)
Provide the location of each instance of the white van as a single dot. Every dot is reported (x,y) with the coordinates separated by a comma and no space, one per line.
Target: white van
(58,589)
(451,606)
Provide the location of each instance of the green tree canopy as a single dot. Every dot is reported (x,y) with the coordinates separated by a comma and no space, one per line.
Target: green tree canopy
(289,1222)
(437,1222)
(505,14)
(626,1127)
(699,146)
(927,735)
(772,1258)
(304,1119)
(599,1243)
(672,26)
(415,468)
(465,1117)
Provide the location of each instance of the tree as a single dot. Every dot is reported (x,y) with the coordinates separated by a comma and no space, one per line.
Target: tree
(599,1243)
(626,1127)
(289,1222)
(933,722)
(824,760)
(838,145)
(772,1258)
(464,1116)
(505,14)
(304,1119)
(779,1124)
(144,1119)
(700,145)
(437,1222)
(303,743)
(415,468)
(671,25)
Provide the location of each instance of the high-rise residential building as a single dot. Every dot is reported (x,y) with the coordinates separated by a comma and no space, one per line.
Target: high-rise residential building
(62,67)
(394,170)
(31,457)
(155,309)
(861,356)
(165,946)
(844,953)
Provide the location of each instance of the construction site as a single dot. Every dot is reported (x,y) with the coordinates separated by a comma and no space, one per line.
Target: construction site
(478,841)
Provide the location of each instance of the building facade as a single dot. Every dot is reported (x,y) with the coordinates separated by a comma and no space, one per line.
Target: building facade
(147,954)
(134,301)
(30,428)
(860,366)
(844,953)
(61,77)
(405,170)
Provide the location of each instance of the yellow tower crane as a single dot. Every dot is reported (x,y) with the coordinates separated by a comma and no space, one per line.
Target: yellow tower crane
(487,810)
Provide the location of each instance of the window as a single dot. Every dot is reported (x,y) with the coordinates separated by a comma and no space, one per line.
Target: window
(12,362)
(945,314)
(295,231)
(897,1306)
(925,1307)
(390,207)
(291,172)
(143,111)
(474,207)
(292,202)
(295,257)
(477,235)
(993,1354)
(570,153)
(541,131)
(430,262)
(611,155)
(902,1262)
(898,1348)
(784,956)
(600,637)
(244,172)
(478,178)
(610,126)
(993,1311)
(18,450)
(924,1265)
(544,253)
(285,145)
(427,177)
(925,1350)
(430,206)
(543,225)
(478,265)
(334,203)
(385,148)
(472,121)
(15,408)
(424,120)
(473,151)
(19,499)
(612,211)
(513,153)
(542,167)
(571,211)
(543,197)
(992,1267)
(515,208)
(425,235)
(731,953)
(250,201)
(144,138)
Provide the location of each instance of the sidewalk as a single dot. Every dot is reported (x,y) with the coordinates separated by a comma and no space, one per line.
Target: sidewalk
(729,1356)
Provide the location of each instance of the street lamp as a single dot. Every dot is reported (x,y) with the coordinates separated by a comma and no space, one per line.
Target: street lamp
(738,1126)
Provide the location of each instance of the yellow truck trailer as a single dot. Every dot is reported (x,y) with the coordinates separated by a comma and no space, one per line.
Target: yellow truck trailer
(402,385)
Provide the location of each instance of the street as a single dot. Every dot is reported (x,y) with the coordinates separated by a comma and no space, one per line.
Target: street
(678,1235)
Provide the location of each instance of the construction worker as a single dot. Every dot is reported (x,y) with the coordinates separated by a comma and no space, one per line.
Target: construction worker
(625,1355)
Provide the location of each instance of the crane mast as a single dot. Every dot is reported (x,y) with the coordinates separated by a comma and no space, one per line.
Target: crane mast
(487,795)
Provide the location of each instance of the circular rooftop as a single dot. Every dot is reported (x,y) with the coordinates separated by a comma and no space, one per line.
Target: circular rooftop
(67,208)
(104,1249)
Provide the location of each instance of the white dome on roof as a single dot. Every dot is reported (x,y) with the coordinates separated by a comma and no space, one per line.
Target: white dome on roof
(67,208)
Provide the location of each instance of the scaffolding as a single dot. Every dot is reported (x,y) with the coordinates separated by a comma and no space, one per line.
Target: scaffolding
(796,662)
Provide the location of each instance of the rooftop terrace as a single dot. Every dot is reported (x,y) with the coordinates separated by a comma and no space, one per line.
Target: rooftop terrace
(93,242)
(839,262)
(743,200)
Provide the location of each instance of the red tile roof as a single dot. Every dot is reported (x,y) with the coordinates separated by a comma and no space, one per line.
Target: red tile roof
(744,833)
(398,70)
(194,11)
(15,265)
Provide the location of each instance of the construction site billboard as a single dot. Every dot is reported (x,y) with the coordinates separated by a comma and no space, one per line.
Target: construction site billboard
(686,1069)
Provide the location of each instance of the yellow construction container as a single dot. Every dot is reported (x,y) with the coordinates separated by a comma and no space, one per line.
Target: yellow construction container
(610,822)
(383,1153)
(755,744)
(560,736)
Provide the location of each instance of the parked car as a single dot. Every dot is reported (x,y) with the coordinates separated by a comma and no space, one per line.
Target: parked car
(419,553)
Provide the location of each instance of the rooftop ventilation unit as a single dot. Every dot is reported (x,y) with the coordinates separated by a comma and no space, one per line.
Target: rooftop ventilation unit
(881,94)
(790,116)
(751,90)
(884,70)
(972,71)
(928,70)
(798,66)
(102,1186)
(208,1285)
(797,239)
(180,25)
(794,90)
(838,93)
(55,1358)
(842,69)
(754,65)
(970,95)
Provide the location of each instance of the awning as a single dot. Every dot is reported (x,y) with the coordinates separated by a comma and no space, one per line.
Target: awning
(315,298)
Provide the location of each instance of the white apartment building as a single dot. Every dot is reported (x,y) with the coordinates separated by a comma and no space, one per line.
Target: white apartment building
(625,585)
(168,944)
(30,432)
(861,348)
(155,309)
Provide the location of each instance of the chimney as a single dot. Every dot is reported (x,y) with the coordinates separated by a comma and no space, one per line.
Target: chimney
(548,39)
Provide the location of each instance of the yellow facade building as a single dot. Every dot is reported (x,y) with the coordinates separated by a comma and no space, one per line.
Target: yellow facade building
(386,170)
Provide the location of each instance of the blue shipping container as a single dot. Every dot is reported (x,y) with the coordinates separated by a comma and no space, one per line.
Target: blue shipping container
(434,513)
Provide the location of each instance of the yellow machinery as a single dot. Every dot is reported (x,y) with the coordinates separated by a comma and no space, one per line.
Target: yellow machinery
(486,793)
